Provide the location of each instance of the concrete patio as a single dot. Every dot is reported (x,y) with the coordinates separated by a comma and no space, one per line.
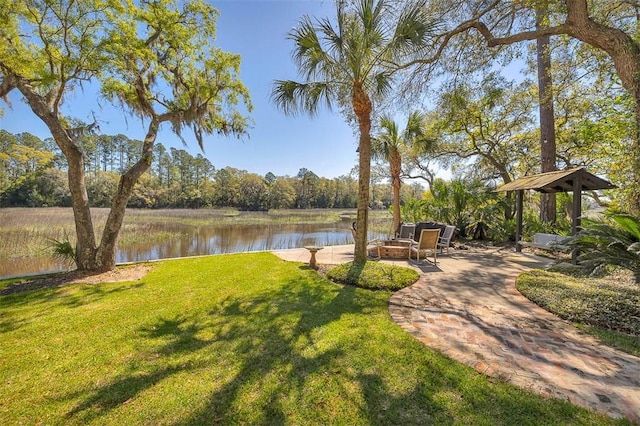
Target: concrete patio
(468,308)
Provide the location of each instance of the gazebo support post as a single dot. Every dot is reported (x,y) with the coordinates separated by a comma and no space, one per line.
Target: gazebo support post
(577,212)
(519,205)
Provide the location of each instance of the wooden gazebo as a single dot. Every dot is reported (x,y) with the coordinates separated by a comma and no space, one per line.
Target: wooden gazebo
(573,180)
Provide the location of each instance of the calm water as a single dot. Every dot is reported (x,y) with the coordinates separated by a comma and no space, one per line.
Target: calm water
(202,240)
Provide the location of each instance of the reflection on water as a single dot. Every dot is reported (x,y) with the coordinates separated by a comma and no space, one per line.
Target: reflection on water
(199,240)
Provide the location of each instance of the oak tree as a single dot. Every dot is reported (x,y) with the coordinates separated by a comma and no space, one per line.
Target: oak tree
(608,25)
(156,59)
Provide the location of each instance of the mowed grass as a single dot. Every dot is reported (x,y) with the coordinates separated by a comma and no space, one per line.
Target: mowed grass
(238,339)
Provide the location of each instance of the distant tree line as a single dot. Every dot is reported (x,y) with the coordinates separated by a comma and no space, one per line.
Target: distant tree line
(33,172)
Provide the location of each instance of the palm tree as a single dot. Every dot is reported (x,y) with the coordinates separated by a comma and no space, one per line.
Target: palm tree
(389,144)
(352,63)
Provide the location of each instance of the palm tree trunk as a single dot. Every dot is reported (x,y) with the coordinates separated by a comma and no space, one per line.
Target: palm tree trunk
(362,108)
(395,170)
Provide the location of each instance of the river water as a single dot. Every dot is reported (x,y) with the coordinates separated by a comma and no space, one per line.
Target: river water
(203,240)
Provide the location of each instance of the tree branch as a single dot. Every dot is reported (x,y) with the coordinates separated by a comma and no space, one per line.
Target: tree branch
(7,85)
(514,38)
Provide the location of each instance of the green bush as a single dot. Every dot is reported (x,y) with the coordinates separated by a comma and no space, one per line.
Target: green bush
(373,275)
(466,204)
(502,231)
(531,224)
(63,250)
(614,240)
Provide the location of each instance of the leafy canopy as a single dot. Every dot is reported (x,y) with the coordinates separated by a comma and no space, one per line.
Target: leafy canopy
(145,56)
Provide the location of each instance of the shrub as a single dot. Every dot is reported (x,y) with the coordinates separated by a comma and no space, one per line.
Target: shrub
(615,240)
(502,231)
(63,250)
(531,224)
(373,275)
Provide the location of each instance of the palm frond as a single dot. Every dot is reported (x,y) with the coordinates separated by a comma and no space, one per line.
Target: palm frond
(414,30)
(293,97)
(604,243)
(386,139)
(308,53)
(334,38)
(63,250)
(382,84)
(350,50)
(628,223)
(416,134)
(415,126)
(389,126)
(372,14)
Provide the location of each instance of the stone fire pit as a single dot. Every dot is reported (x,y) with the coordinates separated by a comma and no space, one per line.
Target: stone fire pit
(391,249)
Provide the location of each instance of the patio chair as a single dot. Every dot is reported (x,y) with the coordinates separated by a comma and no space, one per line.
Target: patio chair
(406,232)
(445,238)
(428,241)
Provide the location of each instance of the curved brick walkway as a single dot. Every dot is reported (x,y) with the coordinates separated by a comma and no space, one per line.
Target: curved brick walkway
(469,309)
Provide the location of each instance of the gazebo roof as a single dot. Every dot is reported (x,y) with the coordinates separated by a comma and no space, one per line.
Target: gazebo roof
(558,181)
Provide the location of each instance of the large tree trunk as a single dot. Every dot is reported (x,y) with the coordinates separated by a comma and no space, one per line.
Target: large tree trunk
(67,140)
(508,206)
(88,256)
(106,254)
(362,109)
(635,150)
(547,119)
(395,163)
(85,236)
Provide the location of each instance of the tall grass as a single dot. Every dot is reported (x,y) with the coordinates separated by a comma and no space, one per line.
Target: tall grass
(26,232)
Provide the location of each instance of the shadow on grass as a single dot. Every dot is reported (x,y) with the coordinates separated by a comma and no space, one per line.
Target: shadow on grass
(309,351)
(258,333)
(80,295)
(180,333)
(120,391)
(91,293)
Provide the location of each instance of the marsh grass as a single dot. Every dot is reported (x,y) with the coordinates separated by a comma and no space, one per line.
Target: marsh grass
(26,231)
(148,232)
(238,339)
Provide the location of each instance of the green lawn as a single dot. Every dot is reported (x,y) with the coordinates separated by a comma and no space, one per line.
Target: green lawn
(238,339)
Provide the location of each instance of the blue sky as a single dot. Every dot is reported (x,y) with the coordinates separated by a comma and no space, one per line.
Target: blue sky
(255,29)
